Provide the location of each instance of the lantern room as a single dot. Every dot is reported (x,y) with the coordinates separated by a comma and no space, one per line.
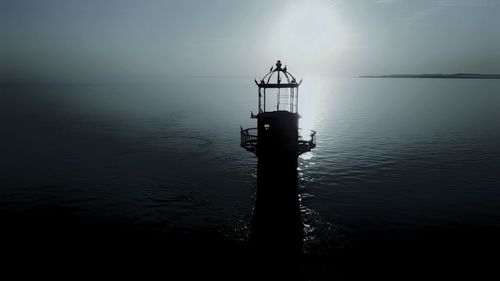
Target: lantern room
(278,90)
(277,129)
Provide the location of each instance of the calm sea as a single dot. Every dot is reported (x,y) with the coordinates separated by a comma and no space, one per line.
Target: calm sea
(392,155)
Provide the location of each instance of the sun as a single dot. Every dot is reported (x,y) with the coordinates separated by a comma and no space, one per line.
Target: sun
(307,30)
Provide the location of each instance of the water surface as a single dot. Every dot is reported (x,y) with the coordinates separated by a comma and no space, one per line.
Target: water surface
(392,156)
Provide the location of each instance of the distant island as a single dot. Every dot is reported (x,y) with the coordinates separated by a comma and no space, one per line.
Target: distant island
(456,76)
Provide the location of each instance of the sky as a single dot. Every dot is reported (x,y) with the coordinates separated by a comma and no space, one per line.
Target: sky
(72,40)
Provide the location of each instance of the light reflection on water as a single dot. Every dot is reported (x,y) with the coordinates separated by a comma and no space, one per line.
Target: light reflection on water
(391,153)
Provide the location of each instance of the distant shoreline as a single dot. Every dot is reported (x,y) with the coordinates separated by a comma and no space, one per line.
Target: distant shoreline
(455,76)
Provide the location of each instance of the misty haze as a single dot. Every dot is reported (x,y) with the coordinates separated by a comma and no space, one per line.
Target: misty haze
(251,139)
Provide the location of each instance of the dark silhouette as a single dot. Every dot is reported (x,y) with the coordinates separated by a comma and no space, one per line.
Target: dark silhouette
(278,123)
(277,230)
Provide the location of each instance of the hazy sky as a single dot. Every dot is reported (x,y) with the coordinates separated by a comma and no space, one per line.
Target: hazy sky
(95,39)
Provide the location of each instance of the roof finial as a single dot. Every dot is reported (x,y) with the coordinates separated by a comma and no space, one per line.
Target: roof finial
(278,65)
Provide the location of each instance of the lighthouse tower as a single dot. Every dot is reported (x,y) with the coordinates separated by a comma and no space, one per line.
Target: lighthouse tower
(278,117)
(277,229)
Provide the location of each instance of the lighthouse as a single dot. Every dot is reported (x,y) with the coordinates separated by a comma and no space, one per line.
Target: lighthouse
(277,132)
(276,228)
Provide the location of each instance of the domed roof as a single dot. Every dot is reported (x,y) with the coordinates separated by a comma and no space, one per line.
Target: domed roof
(275,76)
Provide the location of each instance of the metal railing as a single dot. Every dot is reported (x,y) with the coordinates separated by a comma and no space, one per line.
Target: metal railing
(249,139)
(307,145)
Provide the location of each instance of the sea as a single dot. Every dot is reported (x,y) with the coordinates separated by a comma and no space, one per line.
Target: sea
(401,166)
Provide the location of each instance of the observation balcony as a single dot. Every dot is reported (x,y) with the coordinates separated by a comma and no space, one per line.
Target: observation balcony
(250,140)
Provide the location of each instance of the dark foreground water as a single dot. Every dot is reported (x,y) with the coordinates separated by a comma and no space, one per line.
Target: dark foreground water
(404,182)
